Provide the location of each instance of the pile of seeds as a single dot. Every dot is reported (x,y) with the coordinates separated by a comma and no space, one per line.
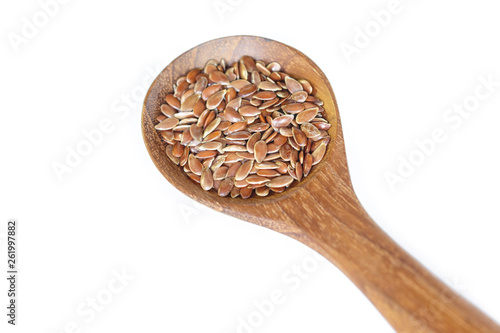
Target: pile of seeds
(243,127)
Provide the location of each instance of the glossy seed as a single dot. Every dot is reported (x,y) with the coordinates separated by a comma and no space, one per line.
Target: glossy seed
(246,192)
(306,86)
(245,155)
(188,121)
(188,103)
(261,68)
(293,108)
(236,127)
(212,136)
(282,121)
(217,163)
(234,104)
(167,124)
(306,116)
(170,155)
(201,84)
(239,84)
(266,85)
(177,149)
(255,78)
(167,110)
(279,140)
(167,135)
(322,126)
(186,137)
(209,91)
(220,173)
(272,148)
(286,131)
(234,148)
(184,157)
(260,127)
(181,87)
(225,187)
(202,118)
(285,152)
(293,143)
(262,191)
(241,135)
(206,179)
(269,173)
(267,165)
(249,111)
(191,76)
(211,126)
(243,170)
(209,68)
(213,145)
(172,101)
(319,153)
(299,137)
(235,192)
(281,181)
(195,165)
(194,177)
(299,96)
(292,85)
(276,77)
(298,171)
(265,95)
(252,141)
(231,171)
(184,115)
(214,100)
(249,62)
(254,179)
(291,172)
(218,77)
(224,125)
(232,115)
(272,157)
(274,66)
(260,151)
(247,90)
(310,130)
(308,160)
(243,71)
(196,132)
(206,154)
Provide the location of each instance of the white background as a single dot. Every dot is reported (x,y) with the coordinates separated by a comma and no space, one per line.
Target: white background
(195,270)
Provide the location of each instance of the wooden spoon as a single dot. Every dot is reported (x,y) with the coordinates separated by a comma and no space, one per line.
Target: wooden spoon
(322,211)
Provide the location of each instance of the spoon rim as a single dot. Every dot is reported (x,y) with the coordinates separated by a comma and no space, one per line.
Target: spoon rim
(219,202)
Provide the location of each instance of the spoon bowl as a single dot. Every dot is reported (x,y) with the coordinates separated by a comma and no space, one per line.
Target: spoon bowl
(322,211)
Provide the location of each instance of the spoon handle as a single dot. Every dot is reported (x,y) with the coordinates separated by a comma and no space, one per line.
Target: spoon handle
(409,296)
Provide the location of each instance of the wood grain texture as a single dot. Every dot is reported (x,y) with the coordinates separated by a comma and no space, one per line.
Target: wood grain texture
(322,211)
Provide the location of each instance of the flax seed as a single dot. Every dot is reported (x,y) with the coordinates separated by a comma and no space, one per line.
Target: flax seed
(243,128)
